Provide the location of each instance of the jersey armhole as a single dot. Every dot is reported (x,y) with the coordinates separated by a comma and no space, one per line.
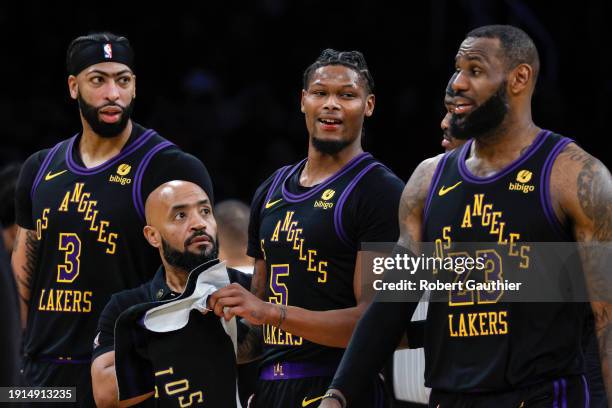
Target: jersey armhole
(545,199)
(338,226)
(43,167)
(137,188)
(433,186)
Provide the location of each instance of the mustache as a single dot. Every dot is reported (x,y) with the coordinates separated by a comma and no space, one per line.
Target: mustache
(197,234)
(113,104)
(462,95)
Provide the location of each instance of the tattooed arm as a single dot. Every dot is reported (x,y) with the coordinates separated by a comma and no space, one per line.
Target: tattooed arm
(581,188)
(251,347)
(24,260)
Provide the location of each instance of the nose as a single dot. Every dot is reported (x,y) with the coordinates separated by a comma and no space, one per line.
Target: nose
(112,91)
(459,82)
(331,102)
(445,122)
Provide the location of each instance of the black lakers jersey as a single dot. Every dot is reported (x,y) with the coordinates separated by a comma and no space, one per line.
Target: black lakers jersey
(309,238)
(476,342)
(89,223)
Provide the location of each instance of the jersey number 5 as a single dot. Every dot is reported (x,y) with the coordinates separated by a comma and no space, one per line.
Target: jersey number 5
(279,290)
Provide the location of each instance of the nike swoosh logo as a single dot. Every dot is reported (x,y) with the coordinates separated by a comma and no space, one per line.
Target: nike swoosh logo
(444,190)
(306,402)
(271,204)
(50,176)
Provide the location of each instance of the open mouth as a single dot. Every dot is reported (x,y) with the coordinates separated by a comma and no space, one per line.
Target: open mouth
(330,123)
(462,105)
(111,114)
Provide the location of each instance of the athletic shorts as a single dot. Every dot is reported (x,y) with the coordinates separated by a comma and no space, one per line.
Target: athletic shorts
(295,389)
(569,392)
(43,373)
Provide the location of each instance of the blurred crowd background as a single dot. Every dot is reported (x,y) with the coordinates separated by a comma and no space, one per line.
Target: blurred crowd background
(223,79)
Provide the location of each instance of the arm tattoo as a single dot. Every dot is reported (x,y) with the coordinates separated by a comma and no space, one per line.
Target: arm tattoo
(594,193)
(412,203)
(258,283)
(32,245)
(251,347)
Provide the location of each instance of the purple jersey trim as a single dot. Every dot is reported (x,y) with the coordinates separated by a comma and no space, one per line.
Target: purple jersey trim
(291,371)
(434,185)
(43,168)
(545,200)
(296,198)
(136,189)
(469,177)
(556,396)
(563,393)
(342,200)
(277,179)
(587,396)
(84,171)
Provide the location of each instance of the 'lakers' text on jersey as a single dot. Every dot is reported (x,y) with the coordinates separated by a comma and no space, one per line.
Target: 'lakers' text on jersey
(89,223)
(309,238)
(498,345)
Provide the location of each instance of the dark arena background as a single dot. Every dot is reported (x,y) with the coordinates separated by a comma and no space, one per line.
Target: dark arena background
(223,79)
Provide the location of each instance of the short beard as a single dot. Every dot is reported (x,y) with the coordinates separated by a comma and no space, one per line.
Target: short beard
(483,120)
(103,129)
(330,147)
(186,260)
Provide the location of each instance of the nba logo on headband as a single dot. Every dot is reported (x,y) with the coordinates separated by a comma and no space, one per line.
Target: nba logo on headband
(108,51)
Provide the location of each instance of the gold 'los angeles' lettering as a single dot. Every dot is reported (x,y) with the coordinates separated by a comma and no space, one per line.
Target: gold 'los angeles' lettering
(81,201)
(42,223)
(65,300)
(289,229)
(492,323)
(482,214)
(179,386)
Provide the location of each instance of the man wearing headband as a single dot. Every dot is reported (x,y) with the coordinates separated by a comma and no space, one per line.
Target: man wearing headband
(80,211)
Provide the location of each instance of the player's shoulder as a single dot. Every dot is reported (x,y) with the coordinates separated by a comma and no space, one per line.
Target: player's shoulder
(382,176)
(36,158)
(265,186)
(575,157)
(239,277)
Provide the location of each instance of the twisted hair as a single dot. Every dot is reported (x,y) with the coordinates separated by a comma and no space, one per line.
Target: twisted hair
(350,59)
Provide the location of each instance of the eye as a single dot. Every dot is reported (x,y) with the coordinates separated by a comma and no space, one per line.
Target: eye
(348,95)
(97,79)
(125,80)
(476,71)
(318,92)
(205,210)
(180,215)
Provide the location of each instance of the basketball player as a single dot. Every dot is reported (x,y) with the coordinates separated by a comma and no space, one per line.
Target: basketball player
(181,225)
(80,211)
(449,142)
(524,354)
(307,223)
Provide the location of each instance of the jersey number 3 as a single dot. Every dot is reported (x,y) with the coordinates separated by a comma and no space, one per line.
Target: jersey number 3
(70,244)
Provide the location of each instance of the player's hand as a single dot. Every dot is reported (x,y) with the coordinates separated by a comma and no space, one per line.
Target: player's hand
(234,300)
